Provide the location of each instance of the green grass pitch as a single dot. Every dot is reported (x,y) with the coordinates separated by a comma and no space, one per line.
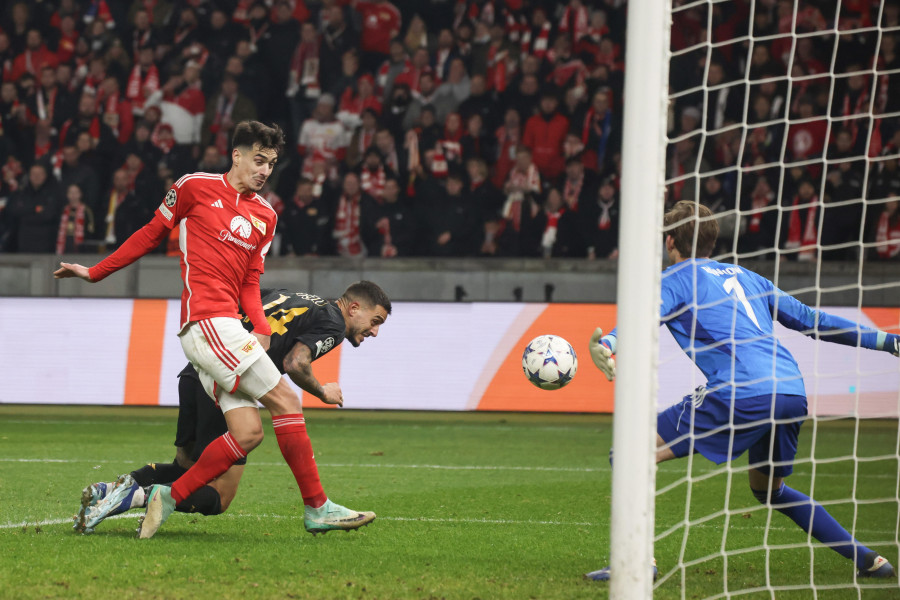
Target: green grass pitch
(469,506)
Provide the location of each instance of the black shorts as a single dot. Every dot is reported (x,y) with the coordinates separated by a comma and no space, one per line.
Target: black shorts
(199,419)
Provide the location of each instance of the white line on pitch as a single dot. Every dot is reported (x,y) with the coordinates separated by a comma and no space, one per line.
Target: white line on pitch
(602,470)
(294,517)
(134,514)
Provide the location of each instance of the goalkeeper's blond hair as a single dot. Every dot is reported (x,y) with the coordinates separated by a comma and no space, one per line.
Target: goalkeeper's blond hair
(688,220)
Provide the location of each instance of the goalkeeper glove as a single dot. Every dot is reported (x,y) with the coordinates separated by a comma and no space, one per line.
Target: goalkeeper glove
(889,342)
(602,349)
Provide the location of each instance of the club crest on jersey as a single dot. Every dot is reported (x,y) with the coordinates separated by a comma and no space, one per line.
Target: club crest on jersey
(171,196)
(259,224)
(249,346)
(323,346)
(241,226)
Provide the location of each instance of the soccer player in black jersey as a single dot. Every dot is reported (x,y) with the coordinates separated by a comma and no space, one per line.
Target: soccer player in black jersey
(304,328)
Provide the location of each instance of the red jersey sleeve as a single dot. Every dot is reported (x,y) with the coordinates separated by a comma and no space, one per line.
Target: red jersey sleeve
(140,243)
(251,303)
(174,206)
(258,260)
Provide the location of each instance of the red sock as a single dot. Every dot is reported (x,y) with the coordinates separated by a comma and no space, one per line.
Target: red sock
(297,451)
(215,460)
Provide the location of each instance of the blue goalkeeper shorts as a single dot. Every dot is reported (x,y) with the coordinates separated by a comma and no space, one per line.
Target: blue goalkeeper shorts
(704,420)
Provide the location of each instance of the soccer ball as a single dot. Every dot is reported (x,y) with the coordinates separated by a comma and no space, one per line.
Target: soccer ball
(549,362)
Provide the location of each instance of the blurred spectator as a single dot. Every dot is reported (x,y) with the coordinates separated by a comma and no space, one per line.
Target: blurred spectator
(372,173)
(381,23)
(76,224)
(115,109)
(579,186)
(338,38)
(481,102)
(122,212)
(396,63)
(34,57)
(225,109)
(508,138)
(393,157)
(522,187)
(416,68)
(355,100)
(553,210)
(397,225)
(760,215)
(715,197)
(304,220)
(842,211)
(346,76)
(143,81)
(803,223)
(544,135)
(887,235)
(422,97)
(323,134)
(50,103)
(348,218)
(212,161)
(395,109)
(303,88)
(182,103)
(476,143)
(416,35)
(141,145)
(363,137)
(74,172)
(599,132)
(35,209)
(451,223)
(600,222)
(453,91)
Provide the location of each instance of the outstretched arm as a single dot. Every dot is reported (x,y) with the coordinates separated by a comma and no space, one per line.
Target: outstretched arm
(821,325)
(140,243)
(298,366)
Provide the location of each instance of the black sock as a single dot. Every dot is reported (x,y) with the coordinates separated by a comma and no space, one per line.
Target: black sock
(158,473)
(205,501)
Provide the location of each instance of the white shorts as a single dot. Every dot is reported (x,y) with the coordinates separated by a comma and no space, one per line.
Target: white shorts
(232,365)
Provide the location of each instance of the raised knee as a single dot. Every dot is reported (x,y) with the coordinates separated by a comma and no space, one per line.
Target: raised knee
(250,439)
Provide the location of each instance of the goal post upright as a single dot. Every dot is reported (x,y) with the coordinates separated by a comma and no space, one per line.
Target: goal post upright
(637,298)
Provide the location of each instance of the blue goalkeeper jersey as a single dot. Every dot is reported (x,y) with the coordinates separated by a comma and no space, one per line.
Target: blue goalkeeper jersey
(722,316)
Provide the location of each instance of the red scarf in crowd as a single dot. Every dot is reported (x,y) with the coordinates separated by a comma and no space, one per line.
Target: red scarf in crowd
(372,182)
(540,46)
(346,227)
(803,235)
(78,234)
(138,80)
(305,66)
(760,201)
(574,22)
(604,221)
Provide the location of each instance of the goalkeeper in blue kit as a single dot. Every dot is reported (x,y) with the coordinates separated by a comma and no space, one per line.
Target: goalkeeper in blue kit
(754,400)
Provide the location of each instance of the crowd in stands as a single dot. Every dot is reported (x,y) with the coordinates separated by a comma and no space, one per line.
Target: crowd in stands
(448,128)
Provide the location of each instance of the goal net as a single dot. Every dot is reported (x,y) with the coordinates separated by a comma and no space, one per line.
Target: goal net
(784,120)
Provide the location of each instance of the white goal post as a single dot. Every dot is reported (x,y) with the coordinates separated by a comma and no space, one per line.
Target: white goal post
(637,297)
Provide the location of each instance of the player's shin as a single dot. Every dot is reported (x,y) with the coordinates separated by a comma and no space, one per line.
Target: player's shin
(205,501)
(297,451)
(217,458)
(814,519)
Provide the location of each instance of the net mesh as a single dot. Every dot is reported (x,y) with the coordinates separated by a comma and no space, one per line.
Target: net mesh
(785,121)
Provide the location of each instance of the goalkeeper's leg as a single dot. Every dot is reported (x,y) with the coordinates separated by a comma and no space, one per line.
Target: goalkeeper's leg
(815,520)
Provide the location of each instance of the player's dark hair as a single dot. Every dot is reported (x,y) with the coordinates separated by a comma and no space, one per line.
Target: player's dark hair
(687,220)
(250,133)
(366,292)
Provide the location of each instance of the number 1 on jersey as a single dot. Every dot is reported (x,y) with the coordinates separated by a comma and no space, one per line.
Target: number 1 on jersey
(732,285)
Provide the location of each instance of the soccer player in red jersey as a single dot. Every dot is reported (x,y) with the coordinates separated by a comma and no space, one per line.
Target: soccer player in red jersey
(225,230)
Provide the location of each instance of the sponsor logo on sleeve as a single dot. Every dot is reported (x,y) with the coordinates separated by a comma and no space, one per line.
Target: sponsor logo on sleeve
(323,346)
(170,198)
(165,212)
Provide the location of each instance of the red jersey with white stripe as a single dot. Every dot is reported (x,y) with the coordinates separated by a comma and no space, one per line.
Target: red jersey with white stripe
(223,236)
